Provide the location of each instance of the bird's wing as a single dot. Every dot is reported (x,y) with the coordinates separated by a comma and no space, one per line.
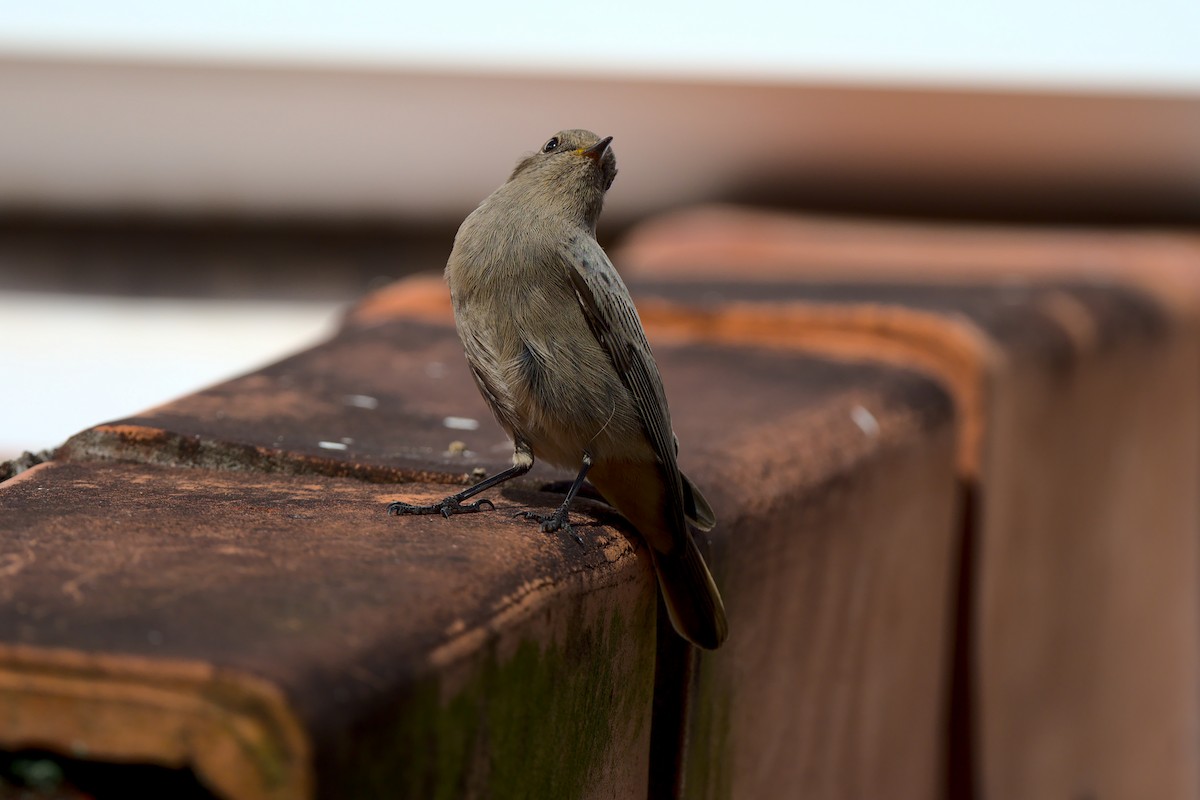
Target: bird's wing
(614,322)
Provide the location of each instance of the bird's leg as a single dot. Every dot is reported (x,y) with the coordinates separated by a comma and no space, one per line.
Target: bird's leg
(522,463)
(560,520)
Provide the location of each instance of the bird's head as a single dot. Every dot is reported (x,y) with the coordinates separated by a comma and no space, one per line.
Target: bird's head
(574,159)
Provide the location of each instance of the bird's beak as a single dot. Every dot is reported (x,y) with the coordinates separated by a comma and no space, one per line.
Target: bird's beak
(597,151)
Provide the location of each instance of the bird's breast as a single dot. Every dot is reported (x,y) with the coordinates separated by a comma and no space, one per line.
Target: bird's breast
(551,382)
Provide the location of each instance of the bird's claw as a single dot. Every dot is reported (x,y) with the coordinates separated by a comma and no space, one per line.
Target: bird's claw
(550,524)
(447,508)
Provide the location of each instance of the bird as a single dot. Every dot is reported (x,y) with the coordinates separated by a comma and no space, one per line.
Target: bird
(559,354)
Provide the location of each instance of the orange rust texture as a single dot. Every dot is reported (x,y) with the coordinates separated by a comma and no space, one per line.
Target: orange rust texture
(132,433)
(952,351)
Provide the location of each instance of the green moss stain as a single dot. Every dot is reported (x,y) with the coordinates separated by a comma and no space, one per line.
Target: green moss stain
(550,720)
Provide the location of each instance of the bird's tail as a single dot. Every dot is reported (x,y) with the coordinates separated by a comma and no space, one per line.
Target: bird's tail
(692,599)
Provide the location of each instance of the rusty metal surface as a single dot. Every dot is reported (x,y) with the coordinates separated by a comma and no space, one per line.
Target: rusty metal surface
(270,574)
(302,582)
(1073,357)
(213,583)
(215,542)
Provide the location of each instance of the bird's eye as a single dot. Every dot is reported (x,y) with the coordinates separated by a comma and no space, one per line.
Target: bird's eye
(551,145)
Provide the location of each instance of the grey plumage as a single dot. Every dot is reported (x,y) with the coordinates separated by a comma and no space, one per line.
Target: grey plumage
(558,351)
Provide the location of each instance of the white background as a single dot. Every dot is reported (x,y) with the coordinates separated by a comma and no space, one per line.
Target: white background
(1095,43)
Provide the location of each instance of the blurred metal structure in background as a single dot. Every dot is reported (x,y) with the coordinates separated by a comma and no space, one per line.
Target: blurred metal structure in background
(230,139)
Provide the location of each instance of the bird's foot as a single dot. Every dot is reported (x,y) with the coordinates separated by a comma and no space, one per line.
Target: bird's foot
(558,521)
(447,507)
